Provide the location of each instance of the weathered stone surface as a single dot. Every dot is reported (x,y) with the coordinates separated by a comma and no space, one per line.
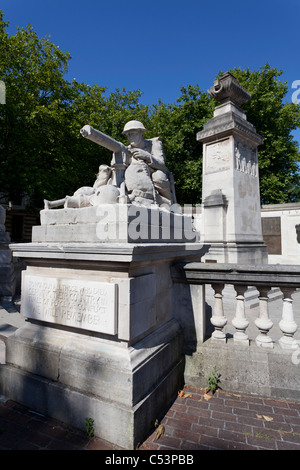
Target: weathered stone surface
(123,369)
(231,218)
(114,223)
(88,305)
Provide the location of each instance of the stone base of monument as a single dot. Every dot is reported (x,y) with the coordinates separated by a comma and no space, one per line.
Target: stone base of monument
(71,377)
(241,253)
(114,223)
(101,339)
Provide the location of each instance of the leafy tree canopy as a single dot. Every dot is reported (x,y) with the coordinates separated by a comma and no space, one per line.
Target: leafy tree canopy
(44,156)
(275,119)
(42,152)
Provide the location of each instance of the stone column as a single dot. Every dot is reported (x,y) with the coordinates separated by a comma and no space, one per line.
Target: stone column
(287,323)
(240,321)
(218,319)
(230,187)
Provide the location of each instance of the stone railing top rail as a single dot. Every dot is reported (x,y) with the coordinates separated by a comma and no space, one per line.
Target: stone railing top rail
(273,275)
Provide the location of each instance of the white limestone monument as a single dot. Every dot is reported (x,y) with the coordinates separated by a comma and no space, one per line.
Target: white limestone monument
(231,211)
(102,338)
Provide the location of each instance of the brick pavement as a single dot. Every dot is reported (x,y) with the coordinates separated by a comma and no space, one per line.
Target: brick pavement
(226,421)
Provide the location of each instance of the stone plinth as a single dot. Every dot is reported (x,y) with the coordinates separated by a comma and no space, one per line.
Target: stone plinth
(101,339)
(230,189)
(114,223)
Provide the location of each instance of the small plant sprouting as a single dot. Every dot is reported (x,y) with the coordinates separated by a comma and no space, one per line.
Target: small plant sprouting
(214,381)
(89,426)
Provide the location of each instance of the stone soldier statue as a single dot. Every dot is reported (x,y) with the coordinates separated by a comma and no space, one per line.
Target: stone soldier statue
(147,177)
(84,196)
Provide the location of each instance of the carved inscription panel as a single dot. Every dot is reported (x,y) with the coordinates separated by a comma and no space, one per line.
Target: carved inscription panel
(246,159)
(87,305)
(217,156)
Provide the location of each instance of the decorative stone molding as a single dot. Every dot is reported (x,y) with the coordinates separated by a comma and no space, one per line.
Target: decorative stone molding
(228,87)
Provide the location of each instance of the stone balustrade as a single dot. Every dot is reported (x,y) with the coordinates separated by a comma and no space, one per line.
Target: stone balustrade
(263,278)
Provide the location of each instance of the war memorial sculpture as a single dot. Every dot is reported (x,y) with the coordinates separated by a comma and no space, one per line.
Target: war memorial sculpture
(101,338)
(230,185)
(112,294)
(135,189)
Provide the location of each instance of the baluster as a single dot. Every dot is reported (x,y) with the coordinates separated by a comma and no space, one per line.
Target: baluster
(263,322)
(240,321)
(287,324)
(218,319)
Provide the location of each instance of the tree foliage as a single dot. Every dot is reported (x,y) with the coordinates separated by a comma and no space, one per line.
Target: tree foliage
(275,119)
(42,152)
(178,125)
(44,156)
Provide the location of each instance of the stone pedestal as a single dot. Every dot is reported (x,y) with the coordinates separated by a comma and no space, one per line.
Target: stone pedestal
(114,223)
(230,189)
(101,339)
(10,268)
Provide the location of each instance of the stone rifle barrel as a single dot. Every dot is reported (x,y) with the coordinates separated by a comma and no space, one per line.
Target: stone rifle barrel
(101,139)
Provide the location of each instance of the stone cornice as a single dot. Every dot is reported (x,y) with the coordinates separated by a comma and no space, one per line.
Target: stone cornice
(229,123)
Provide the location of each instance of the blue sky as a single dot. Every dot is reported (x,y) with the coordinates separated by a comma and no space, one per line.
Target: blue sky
(159,46)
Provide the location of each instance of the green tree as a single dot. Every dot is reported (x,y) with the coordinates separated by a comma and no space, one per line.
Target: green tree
(42,152)
(178,125)
(106,113)
(275,119)
(37,99)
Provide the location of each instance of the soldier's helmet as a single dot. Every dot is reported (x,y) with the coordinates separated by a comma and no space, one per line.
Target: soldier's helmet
(133,125)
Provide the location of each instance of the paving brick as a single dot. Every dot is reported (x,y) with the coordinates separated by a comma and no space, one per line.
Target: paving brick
(149,445)
(38,439)
(288,446)
(200,412)
(246,413)
(238,427)
(240,446)
(276,403)
(292,420)
(232,436)
(291,437)
(23,444)
(169,442)
(236,403)
(214,442)
(192,418)
(60,445)
(263,409)
(219,406)
(262,441)
(224,416)
(251,421)
(280,427)
(179,423)
(187,445)
(212,423)
(205,430)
